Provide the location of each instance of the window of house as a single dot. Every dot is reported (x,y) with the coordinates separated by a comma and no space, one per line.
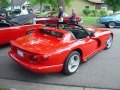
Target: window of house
(87,7)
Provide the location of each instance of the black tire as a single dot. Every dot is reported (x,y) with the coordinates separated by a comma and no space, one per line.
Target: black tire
(106,25)
(109,42)
(111,24)
(77,59)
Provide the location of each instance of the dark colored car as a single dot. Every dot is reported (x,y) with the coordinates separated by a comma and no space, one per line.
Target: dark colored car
(52,18)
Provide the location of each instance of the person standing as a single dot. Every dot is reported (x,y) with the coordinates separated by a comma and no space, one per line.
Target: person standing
(73,18)
(23,11)
(60,14)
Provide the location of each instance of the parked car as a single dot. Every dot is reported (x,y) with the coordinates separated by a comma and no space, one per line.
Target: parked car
(17,27)
(5,13)
(52,18)
(50,49)
(110,21)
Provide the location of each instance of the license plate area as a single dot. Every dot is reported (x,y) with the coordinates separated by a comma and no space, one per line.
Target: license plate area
(20,53)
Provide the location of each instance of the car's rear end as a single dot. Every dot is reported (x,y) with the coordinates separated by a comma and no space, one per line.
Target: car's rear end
(35,51)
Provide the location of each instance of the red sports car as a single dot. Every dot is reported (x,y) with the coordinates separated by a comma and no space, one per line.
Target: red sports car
(50,49)
(52,18)
(15,28)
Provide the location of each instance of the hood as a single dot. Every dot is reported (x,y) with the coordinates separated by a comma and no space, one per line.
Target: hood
(108,17)
(35,44)
(23,18)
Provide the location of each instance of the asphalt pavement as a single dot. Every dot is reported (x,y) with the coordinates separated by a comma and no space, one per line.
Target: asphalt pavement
(102,71)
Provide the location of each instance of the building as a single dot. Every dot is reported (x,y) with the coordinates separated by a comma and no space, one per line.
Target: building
(79,5)
(17,4)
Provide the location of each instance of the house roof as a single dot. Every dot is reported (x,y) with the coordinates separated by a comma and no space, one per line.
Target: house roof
(18,2)
(96,1)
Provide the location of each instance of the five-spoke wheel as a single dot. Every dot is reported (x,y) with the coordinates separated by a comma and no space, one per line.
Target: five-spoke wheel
(72,63)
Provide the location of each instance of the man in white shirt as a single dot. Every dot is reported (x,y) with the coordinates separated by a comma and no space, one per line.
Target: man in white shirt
(23,11)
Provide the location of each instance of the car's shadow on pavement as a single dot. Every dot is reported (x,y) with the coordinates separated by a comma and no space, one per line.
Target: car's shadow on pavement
(4,46)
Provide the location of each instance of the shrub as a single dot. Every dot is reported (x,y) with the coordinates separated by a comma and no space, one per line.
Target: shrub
(87,11)
(94,12)
(103,13)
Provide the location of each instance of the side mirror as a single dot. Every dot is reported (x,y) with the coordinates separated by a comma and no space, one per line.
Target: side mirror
(92,34)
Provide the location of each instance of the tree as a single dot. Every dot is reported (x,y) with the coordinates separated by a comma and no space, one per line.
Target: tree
(55,3)
(114,4)
(61,3)
(87,11)
(4,3)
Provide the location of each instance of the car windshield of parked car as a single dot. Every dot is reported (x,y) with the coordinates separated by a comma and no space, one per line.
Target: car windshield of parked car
(51,33)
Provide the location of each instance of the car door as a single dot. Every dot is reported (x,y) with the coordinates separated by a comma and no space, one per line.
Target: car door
(88,43)
(118,19)
(53,18)
(90,46)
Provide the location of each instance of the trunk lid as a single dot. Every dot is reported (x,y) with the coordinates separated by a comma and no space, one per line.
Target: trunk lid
(36,43)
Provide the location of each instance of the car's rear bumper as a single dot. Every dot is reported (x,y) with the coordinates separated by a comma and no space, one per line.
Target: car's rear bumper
(34,67)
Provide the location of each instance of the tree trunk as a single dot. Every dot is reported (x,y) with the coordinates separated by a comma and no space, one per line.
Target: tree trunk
(40,6)
(61,3)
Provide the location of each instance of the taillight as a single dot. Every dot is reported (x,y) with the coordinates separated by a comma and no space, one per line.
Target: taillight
(35,59)
(13,48)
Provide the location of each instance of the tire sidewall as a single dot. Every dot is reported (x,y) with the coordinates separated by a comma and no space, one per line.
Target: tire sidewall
(65,68)
(110,23)
(110,36)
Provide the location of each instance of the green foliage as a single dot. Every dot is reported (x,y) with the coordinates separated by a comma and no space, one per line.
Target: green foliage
(114,4)
(94,12)
(103,13)
(4,88)
(67,2)
(87,11)
(4,4)
(54,3)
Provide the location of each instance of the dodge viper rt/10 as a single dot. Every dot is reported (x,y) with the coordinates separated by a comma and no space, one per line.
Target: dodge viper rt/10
(50,49)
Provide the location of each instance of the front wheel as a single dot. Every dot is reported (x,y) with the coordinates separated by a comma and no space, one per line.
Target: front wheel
(109,42)
(72,63)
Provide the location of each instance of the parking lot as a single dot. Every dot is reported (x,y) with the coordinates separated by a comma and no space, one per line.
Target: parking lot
(100,71)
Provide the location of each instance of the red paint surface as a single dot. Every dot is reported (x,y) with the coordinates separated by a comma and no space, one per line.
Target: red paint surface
(53,19)
(14,32)
(51,51)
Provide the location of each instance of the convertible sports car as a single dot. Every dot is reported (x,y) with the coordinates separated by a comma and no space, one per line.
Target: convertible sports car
(15,28)
(110,21)
(52,18)
(50,49)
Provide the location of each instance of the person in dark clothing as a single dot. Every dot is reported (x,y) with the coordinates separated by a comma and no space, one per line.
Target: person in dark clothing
(60,14)
(73,17)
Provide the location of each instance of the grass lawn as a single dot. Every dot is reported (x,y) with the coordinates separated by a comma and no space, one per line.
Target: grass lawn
(90,21)
(4,88)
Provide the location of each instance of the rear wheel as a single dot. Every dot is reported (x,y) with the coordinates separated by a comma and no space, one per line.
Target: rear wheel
(72,63)
(111,24)
(109,42)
